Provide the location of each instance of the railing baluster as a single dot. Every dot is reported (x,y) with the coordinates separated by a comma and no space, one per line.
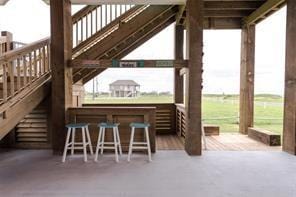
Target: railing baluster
(86,26)
(81,29)
(4,82)
(101,17)
(76,25)
(91,26)
(11,77)
(18,70)
(30,68)
(35,65)
(106,15)
(96,21)
(25,70)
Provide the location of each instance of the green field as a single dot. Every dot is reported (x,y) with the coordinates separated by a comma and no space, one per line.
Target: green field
(220,110)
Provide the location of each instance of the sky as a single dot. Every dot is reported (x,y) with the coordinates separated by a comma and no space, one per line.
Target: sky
(29,21)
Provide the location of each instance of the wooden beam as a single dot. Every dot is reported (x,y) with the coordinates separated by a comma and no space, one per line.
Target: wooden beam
(247,70)
(289,133)
(195,52)
(128,2)
(232,5)
(180,17)
(61,53)
(128,63)
(265,10)
(179,55)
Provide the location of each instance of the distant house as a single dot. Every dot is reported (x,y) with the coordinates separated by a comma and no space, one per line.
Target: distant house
(124,88)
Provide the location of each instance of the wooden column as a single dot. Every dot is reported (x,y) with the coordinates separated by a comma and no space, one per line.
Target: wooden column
(194,80)
(61,52)
(246,110)
(179,55)
(289,133)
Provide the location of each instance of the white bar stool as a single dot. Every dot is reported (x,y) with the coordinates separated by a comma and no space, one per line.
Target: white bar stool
(71,144)
(139,145)
(101,144)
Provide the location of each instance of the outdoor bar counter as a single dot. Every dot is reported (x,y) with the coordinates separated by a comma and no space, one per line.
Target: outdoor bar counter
(123,115)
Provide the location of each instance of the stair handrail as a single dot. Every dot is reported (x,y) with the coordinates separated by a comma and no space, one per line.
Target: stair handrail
(22,70)
(92,20)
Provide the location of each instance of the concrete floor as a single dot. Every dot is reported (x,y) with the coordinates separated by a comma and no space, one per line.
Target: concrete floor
(172,173)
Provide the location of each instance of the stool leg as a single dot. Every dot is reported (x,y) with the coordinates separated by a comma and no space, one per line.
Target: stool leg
(73,141)
(98,144)
(115,144)
(148,143)
(89,141)
(130,150)
(84,145)
(66,145)
(103,141)
(118,140)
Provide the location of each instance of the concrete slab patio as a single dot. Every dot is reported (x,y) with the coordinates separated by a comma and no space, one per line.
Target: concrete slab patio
(172,173)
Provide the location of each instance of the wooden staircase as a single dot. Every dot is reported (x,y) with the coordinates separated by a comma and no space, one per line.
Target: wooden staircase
(32,131)
(124,34)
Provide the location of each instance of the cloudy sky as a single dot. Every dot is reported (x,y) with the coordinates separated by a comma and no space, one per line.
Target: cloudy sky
(29,21)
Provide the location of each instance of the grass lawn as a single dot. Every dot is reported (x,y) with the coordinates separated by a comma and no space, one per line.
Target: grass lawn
(220,109)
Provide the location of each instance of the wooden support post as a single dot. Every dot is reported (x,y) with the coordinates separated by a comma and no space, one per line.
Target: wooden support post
(246,110)
(194,84)
(61,53)
(179,55)
(289,134)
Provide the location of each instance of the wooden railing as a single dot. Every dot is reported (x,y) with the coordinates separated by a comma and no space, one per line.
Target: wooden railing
(165,115)
(91,19)
(181,120)
(22,70)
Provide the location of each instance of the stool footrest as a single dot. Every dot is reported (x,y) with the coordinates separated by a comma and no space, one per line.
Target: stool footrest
(139,147)
(140,143)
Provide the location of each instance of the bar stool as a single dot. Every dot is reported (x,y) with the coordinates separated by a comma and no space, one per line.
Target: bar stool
(139,145)
(71,144)
(101,140)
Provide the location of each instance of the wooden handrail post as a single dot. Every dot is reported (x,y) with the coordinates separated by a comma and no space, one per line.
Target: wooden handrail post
(289,133)
(247,69)
(194,85)
(61,53)
(178,80)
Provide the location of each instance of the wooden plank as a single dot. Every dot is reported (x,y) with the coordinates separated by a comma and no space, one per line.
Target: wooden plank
(289,133)
(79,63)
(180,16)
(264,136)
(262,12)
(61,53)
(247,70)
(179,55)
(195,55)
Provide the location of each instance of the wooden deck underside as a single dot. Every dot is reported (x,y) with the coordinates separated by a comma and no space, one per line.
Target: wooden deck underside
(223,142)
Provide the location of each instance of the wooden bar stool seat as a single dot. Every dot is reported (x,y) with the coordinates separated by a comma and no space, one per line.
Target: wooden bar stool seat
(101,144)
(139,145)
(71,144)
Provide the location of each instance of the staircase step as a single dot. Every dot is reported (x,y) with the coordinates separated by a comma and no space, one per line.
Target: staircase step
(39,111)
(29,135)
(36,116)
(32,125)
(34,121)
(31,130)
(31,139)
